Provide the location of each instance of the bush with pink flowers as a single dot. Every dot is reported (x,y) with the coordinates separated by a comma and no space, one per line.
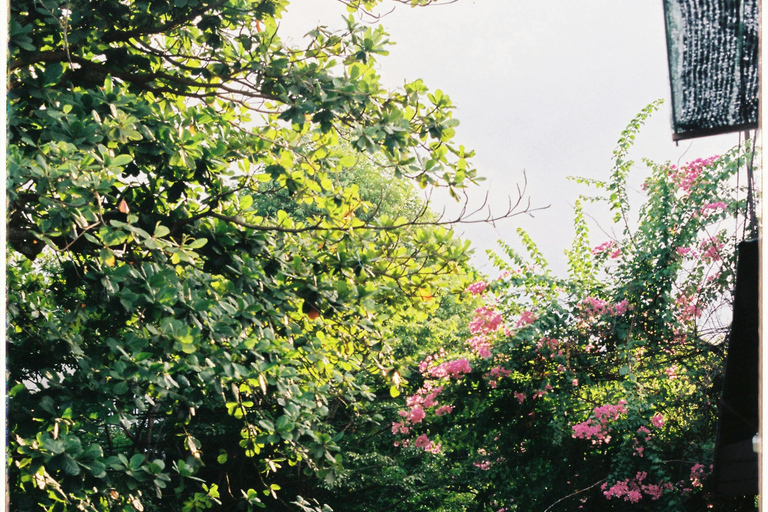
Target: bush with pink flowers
(596,391)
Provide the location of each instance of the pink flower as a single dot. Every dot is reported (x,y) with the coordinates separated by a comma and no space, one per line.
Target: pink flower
(682,251)
(592,307)
(498,372)
(416,415)
(540,393)
(453,369)
(710,249)
(445,409)
(620,308)
(697,475)
(477,288)
(429,400)
(484,465)
(654,491)
(687,307)
(526,318)
(707,209)
(485,320)
(427,362)
(685,177)
(671,371)
(422,441)
(520,397)
(605,246)
(549,343)
(400,428)
(481,345)
(657,420)
(597,429)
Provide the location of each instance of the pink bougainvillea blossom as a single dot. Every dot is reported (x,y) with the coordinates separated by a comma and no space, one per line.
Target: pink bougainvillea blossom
(645,436)
(592,307)
(443,409)
(710,249)
(477,288)
(416,414)
(657,420)
(632,490)
(423,442)
(483,465)
(598,429)
(526,318)
(708,209)
(653,490)
(687,308)
(549,343)
(430,359)
(685,177)
(671,371)
(697,475)
(424,396)
(605,246)
(540,393)
(520,396)
(620,308)
(486,320)
(455,369)
(400,428)
(481,345)
(496,374)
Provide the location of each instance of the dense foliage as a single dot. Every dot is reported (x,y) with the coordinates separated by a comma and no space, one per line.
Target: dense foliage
(219,278)
(594,391)
(199,293)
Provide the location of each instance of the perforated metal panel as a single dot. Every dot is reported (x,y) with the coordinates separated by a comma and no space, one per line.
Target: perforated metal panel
(712,47)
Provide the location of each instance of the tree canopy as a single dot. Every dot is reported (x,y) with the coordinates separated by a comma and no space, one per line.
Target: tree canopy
(198,290)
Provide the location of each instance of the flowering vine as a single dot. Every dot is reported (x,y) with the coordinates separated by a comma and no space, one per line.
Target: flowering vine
(601,377)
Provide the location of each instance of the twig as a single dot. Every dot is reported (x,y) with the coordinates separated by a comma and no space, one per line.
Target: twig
(575,493)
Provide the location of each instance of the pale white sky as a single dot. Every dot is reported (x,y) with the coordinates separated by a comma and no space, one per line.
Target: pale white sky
(542,86)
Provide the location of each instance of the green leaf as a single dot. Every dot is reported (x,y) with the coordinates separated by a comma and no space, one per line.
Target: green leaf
(347,161)
(68,464)
(121,160)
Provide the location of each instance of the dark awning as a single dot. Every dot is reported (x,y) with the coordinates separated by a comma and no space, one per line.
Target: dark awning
(712,46)
(735,469)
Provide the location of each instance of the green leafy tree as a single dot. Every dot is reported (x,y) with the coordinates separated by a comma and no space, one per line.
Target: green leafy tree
(596,391)
(175,340)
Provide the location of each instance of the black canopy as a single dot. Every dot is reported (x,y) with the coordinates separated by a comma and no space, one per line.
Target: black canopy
(712,46)
(735,470)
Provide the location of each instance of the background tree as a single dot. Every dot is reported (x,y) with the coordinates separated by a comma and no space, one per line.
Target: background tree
(596,391)
(156,306)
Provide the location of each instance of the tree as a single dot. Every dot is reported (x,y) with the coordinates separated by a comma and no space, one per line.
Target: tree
(156,305)
(596,391)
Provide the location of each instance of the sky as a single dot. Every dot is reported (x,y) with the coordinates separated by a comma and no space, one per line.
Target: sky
(543,89)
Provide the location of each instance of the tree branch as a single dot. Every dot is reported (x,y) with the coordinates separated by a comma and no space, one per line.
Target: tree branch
(575,493)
